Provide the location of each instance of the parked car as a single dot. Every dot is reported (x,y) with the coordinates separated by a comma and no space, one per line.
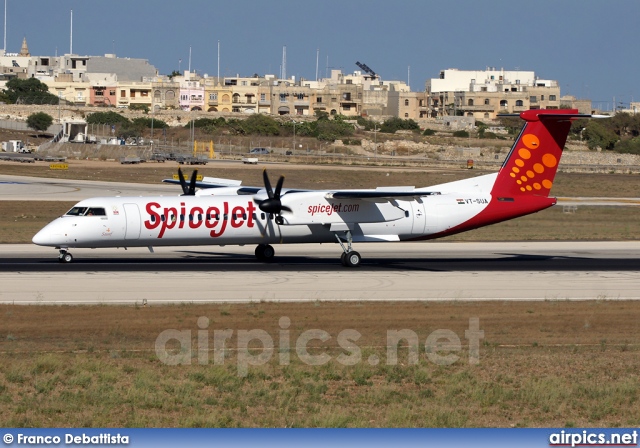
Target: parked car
(259,151)
(158,157)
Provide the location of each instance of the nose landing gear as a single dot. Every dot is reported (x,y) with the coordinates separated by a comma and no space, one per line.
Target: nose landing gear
(65,257)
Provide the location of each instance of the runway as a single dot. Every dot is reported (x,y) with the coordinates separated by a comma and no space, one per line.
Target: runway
(25,188)
(390,271)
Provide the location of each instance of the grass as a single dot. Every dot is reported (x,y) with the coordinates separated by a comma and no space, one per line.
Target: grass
(96,367)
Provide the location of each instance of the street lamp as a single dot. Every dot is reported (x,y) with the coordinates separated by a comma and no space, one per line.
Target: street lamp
(375,140)
(153,111)
(294,134)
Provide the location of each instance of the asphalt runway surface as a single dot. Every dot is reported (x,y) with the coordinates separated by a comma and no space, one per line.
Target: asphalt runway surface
(24,188)
(310,272)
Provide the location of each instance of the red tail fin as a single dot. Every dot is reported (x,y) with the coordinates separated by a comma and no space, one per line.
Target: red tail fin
(531,165)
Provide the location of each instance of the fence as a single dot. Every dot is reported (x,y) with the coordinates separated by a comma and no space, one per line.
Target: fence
(22,126)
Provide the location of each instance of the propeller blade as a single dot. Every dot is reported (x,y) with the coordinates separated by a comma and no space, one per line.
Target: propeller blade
(278,187)
(273,204)
(267,184)
(183,183)
(192,185)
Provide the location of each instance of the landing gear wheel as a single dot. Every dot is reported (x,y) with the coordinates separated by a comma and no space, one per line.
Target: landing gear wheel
(65,257)
(279,220)
(343,259)
(265,252)
(352,259)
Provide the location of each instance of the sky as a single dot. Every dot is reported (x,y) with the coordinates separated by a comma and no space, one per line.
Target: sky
(588,46)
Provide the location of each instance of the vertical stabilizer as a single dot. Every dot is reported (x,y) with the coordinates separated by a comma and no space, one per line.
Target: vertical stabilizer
(532,163)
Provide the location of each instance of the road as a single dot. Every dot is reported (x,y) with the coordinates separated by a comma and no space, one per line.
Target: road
(389,271)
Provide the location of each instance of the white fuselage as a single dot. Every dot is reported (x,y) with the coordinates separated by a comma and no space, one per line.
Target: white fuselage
(236,219)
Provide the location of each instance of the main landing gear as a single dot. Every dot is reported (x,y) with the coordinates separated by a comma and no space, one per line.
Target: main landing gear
(65,257)
(265,252)
(349,258)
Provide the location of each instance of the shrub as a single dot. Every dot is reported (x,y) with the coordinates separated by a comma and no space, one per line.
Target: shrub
(142,107)
(107,118)
(146,122)
(394,124)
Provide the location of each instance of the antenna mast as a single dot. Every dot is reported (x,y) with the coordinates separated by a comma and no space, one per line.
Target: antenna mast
(284,62)
(71,36)
(5,26)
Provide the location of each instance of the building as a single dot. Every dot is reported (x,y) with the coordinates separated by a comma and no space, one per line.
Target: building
(484,94)
(110,81)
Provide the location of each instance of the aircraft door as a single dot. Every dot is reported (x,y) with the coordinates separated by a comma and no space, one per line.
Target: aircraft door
(132,212)
(418,215)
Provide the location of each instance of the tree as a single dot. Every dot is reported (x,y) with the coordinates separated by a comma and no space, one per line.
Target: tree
(261,125)
(110,117)
(394,124)
(28,91)
(597,135)
(629,146)
(39,121)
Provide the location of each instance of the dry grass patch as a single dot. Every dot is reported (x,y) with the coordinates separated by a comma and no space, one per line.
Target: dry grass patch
(541,364)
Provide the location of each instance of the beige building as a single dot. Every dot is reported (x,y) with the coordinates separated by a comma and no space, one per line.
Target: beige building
(69,91)
(217,96)
(166,94)
(407,105)
(134,93)
(122,82)
(484,94)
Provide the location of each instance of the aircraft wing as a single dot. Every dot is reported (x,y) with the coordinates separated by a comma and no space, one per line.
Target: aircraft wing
(381,194)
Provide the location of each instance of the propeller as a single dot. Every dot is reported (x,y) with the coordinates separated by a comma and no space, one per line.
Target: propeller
(190,189)
(273,204)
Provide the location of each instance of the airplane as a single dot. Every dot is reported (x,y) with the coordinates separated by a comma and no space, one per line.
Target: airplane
(223,212)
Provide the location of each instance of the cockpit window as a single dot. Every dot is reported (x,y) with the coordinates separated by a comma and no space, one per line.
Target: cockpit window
(86,211)
(95,211)
(77,211)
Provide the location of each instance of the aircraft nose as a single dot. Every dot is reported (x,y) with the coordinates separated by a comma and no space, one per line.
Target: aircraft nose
(53,234)
(42,238)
